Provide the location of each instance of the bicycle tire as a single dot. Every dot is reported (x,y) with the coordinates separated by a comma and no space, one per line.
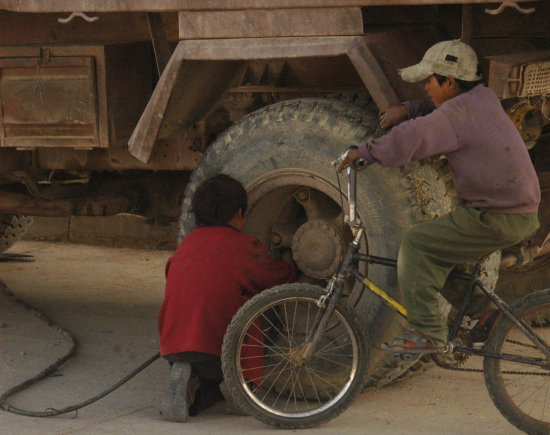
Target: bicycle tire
(520,391)
(301,395)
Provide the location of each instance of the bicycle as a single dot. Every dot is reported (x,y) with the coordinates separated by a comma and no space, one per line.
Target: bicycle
(295,356)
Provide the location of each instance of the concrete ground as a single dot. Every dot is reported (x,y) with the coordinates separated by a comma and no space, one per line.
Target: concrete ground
(109,298)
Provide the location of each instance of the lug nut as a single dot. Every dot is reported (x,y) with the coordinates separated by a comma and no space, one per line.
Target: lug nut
(302,195)
(276,239)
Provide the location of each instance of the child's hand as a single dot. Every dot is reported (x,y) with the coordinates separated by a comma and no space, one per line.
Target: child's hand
(286,254)
(351,156)
(393,115)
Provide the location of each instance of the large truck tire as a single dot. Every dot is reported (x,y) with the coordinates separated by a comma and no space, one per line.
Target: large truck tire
(12,227)
(282,155)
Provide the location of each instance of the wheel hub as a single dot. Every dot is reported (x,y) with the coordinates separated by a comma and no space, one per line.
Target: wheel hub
(317,247)
(298,355)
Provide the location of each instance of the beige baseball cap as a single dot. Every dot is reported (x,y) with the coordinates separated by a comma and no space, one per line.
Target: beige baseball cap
(447,58)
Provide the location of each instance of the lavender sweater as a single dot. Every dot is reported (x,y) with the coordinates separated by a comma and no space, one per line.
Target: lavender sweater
(488,159)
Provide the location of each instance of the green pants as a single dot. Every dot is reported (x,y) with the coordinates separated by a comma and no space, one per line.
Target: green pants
(431,250)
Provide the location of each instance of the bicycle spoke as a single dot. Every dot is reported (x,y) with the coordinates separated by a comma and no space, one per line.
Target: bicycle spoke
(276,329)
(304,396)
(264,376)
(313,371)
(285,384)
(271,354)
(323,378)
(335,362)
(268,375)
(288,325)
(530,396)
(293,380)
(294,319)
(280,349)
(313,383)
(332,341)
(260,367)
(273,383)
(325,351)
(342,355)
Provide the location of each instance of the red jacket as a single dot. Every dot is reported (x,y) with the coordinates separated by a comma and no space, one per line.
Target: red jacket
(213,272)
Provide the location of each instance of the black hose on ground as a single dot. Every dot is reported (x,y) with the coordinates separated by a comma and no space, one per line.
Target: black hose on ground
(50,412)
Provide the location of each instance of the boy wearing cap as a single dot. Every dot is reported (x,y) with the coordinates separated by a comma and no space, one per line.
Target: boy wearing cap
(495,181)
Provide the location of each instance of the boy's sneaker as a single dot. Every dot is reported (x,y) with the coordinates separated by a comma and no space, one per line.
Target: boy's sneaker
(180,394)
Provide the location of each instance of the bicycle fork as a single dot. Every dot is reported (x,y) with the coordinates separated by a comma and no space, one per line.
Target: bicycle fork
(333,293)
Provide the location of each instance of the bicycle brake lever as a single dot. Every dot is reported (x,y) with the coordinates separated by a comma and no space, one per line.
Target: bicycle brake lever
(336,163)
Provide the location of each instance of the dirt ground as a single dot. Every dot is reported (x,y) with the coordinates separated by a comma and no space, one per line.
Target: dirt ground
(109,298)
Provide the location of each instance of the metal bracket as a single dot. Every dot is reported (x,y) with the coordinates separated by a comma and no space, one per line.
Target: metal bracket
(77,14)
(322,301)
(509,4)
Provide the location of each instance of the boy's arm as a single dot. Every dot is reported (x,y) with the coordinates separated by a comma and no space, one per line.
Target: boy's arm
(407,110)
(416,108)
(263,271)
(411,141)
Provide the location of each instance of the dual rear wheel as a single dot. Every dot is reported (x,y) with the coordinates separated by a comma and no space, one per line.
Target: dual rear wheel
(12,227)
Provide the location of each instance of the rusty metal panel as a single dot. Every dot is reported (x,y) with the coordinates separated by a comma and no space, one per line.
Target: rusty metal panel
(270,23)
(26,29)
(200,84)
(48,102)
(146,132)
(78,96)
(276,4)
(265,48)
(373,77)
(179,152)
(179,5)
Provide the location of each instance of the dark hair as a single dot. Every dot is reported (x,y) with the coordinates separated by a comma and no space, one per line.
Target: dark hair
(440,79)
(217,200)
(464,85)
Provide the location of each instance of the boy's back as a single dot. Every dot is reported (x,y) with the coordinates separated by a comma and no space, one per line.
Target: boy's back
(213,272)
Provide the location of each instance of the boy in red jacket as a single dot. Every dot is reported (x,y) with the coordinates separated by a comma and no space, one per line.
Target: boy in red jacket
(214,271)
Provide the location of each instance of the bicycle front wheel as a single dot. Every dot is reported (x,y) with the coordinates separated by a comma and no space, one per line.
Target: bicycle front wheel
(521,391)
(263,359)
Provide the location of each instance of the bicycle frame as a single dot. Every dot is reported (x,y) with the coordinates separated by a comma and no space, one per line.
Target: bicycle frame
(336,285)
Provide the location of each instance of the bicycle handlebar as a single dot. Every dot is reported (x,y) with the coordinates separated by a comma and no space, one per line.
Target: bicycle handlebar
(358,164)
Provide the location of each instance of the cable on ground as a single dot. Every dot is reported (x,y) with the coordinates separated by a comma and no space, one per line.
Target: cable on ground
(50,412)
